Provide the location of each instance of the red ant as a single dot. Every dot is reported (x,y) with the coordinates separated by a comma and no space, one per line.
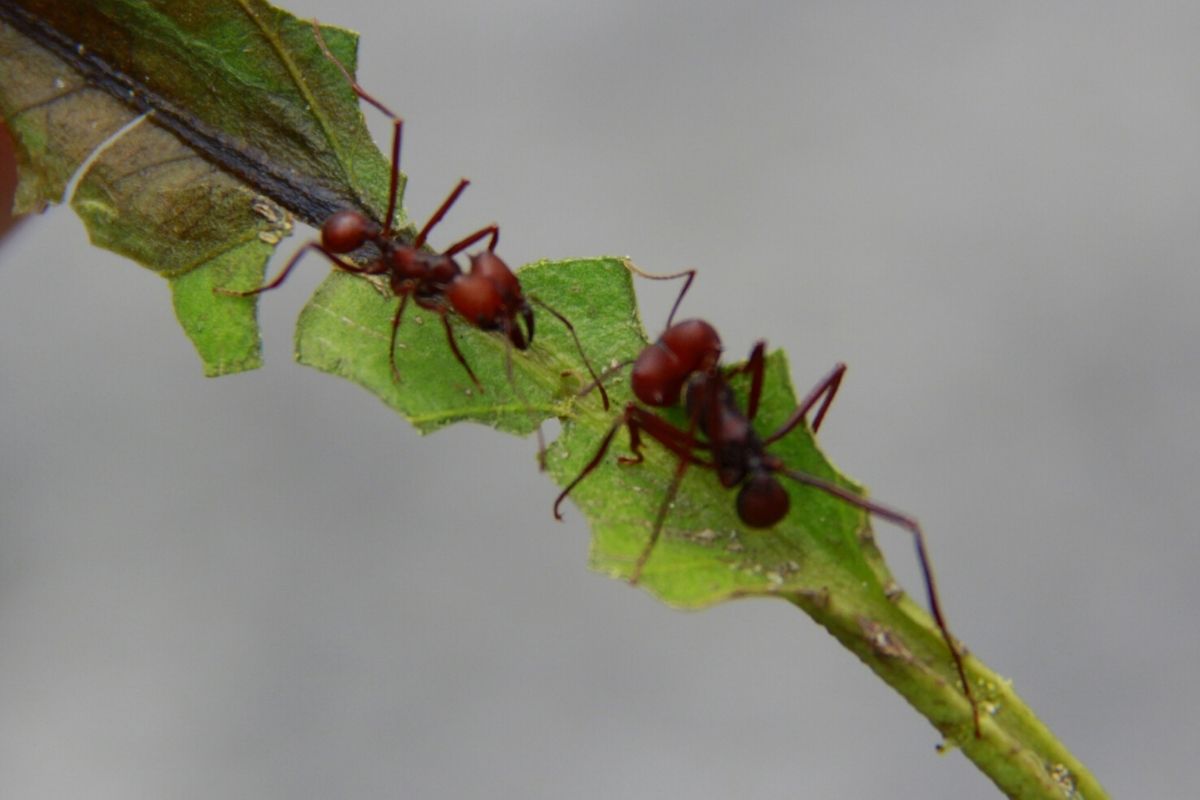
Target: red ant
(685,361)
(488,297)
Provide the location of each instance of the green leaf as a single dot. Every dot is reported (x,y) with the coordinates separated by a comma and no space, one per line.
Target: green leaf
(706,554)
(248,115)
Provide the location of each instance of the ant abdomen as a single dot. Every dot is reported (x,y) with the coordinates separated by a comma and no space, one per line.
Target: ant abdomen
(346,231)
(762,501)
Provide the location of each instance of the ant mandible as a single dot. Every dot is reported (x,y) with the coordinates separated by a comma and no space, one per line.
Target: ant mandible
(488,297)
(685,363)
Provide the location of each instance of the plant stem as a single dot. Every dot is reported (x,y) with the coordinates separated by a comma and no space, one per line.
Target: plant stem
(903,647)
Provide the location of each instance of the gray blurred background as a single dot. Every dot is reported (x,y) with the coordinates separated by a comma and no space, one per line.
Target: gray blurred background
(268,586)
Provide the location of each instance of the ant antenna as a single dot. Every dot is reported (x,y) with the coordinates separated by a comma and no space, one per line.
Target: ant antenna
(397,124)
(596,381)
(689,274)
(437,216)
(607,373)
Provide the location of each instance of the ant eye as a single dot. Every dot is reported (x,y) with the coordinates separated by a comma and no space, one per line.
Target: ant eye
(762,502)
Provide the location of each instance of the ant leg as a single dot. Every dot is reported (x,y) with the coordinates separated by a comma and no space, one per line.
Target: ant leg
(651,422)
(824,391)
(689,274)
(394,183)
(491,230)
(395,330)
(659,519)
(636,420)
(593,462)
(596,382)
(444,313)
(358,90)
(828,389)
(680,442)
(675,440)
(754,365)
(450,200)
(635,439)
(397,124)
(909,524)
(345,266)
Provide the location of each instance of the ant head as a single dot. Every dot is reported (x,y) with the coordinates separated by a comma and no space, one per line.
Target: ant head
(478,300)
(346,231)
(489,265)
(657,378)
(762,501)
(662,368)
(695,343)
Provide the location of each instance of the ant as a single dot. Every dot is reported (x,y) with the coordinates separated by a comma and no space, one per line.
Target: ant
(685,363)
(488,296)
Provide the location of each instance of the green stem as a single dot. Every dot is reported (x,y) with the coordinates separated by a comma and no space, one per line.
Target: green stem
(902,646)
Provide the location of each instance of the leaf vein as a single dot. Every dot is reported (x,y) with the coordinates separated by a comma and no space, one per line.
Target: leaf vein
(302,86)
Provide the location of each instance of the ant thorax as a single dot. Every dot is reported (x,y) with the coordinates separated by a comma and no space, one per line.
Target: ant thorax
(429,270)
(737,450)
